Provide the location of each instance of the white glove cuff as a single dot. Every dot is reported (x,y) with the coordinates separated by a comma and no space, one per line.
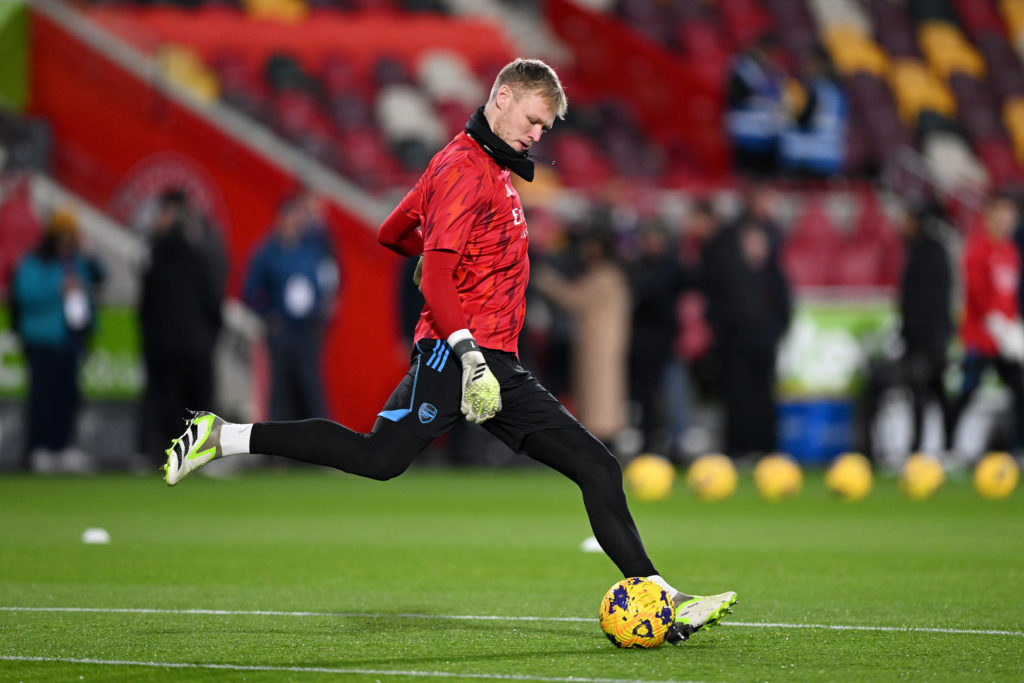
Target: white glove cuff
(459,335)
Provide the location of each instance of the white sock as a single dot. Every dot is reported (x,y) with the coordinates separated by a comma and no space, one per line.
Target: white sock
(234,438)
(656,578)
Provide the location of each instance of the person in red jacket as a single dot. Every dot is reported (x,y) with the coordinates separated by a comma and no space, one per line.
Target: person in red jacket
(991,331)
(466,220)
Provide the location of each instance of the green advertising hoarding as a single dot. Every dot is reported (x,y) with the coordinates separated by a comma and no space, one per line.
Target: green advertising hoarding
(112,369)
(13,55)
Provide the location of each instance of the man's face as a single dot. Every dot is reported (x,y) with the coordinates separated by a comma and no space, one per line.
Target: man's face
(521,121)
(1002,218)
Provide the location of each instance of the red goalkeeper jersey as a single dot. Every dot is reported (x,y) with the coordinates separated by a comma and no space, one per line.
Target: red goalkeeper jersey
(991,274)
(468,206)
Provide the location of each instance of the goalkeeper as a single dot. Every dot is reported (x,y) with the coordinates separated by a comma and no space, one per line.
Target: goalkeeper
(466,220)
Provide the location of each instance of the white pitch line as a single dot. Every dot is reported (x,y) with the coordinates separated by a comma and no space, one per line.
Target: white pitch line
(489,617)
(327,670)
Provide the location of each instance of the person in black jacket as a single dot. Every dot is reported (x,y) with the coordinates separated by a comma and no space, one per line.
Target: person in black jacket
(748,309)
(179,319)
(657,280)
(925,309)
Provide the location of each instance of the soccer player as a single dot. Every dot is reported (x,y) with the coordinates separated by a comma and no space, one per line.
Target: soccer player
(992,332)
(466,220)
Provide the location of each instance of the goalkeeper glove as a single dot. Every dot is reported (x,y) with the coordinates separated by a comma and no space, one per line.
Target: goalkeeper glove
(481,393)
(1008,335)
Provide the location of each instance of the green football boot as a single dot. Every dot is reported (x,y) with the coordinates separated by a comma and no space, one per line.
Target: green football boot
(197,446)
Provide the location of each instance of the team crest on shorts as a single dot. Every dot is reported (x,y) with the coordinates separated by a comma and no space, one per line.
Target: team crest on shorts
(427,413)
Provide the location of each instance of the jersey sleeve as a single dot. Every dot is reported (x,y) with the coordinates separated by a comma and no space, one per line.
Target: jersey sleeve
(400,231)
(452,205)
(977,279)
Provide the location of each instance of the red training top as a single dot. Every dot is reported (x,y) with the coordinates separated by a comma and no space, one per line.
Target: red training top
(474,237)
(991,274)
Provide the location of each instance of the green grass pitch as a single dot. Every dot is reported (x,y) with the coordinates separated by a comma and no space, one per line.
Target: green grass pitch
(309,575)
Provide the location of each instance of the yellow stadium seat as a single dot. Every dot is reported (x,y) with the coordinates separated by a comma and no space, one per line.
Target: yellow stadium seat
(1013,117)
(1013,15)
(284,11)
(948,50)
(185,68)
(916,88)
(852,51)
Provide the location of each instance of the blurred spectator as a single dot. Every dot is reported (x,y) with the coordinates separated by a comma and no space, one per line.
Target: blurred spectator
(53,312)
(179,319)
(755,116)
(292,282)
(657,279)
(815,143)
(748,309)
(925,310)
(991,331)
(598,301)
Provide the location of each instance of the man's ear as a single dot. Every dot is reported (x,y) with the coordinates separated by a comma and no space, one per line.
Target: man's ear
(503,97)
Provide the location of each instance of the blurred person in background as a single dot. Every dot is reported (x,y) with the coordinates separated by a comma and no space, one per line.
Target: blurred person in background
(466,220)
(598,301)
(814,143)
(657,279)
(991,331)
(293,282)
(748,309)
(755,110)
(180,304)
(926,292)
(53,312)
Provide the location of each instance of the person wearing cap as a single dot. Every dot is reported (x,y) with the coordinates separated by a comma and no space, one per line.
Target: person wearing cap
(53,300)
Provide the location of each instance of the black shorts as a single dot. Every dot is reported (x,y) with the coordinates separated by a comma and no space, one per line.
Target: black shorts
(428,400)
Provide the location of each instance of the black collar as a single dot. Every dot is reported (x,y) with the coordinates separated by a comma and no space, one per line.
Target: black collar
(518,162)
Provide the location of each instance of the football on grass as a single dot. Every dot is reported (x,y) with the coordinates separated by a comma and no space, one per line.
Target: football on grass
(996,476)
(849,476)
(712,477)
(921,477)
(777,477)
(636,612)
(649,477)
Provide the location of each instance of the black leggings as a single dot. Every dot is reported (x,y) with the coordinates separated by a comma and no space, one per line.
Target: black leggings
(389,449)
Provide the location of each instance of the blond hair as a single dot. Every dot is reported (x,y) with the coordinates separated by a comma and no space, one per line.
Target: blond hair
(532,75)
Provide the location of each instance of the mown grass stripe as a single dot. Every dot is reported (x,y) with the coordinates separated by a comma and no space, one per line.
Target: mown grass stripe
(495,617)
(326,670)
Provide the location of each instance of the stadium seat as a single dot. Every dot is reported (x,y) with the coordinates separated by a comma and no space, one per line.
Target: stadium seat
(893,29)
(282,71)
(923,11)
(350,112)
(340,76)
(917,88)
(285,11)
(852,50)
(580,162)
(947,50)
(447,76)
(1012,12)
(872,103)
(184,67)
(744,20)
(951,162)
(998,159)
(1013,116)
(403,113)
(794,25)
(977,112)
(831,14)
(978,18)
(1005,72)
